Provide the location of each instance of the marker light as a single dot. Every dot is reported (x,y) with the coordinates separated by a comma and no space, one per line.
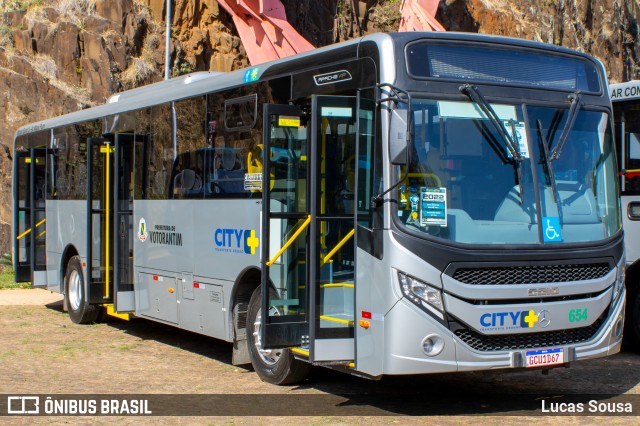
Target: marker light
(419,292)
(633,211)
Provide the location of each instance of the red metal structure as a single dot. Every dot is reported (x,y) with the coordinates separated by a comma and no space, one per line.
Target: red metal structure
(267,35)
(265,32)
(419,15)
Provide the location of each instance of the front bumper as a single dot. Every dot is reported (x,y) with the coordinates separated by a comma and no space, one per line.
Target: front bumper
(406,326)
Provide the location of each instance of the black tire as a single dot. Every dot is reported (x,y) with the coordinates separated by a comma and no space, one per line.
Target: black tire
(632,327)
(75,298)
(278,367)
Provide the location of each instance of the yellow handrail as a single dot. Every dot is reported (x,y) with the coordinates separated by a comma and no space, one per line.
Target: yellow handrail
(29,230)
(338,320)
(107,150)
(338,246)
(290,241)
(336,285)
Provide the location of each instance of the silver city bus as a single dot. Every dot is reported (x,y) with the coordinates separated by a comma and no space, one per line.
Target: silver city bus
(625,98)
(396,204)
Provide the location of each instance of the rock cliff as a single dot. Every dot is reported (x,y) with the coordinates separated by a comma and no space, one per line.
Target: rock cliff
(58,56)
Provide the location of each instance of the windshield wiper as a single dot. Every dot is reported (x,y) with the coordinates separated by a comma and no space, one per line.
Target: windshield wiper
(573,114)
(544,148)
(509,141)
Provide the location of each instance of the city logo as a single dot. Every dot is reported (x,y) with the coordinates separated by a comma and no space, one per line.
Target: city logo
(233,240)
(142,230)
(514,320)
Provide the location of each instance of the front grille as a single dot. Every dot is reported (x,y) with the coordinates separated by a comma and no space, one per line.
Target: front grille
(535,274)
(547,339)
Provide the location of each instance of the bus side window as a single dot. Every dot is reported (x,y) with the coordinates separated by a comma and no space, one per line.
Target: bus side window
(227,176)
(187,174)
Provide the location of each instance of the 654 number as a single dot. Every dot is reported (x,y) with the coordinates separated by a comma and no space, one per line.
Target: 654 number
(577,315)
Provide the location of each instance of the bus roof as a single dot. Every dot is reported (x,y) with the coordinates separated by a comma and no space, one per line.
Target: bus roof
(624,91)
(205,82)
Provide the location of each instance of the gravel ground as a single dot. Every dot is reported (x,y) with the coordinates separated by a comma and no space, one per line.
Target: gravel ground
(43,352)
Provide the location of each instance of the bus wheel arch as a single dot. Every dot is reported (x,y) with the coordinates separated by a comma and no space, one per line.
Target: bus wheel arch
(248,280)
(67,254)
(632,320)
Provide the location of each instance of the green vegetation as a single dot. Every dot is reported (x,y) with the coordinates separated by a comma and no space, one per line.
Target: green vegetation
(6,36)
(6,274)
(181,68)
(20,5)
(6,281)
(386,14)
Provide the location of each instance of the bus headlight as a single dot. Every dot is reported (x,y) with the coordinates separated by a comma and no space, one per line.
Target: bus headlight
(420,292)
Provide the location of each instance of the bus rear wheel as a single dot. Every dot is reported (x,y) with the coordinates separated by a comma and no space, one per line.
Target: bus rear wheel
(80,311)
(275,366)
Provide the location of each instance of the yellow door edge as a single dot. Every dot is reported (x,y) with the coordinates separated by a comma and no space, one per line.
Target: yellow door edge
(112,312)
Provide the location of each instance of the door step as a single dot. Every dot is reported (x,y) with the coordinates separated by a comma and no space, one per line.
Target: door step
(304,353)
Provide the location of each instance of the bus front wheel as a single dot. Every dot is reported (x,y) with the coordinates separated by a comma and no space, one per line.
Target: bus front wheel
(275,366)
(80,311)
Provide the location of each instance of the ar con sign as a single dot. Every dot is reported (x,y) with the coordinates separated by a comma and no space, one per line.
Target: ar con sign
(625,92)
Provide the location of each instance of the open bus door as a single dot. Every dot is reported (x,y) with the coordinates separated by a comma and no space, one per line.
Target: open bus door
(29,216)
(110,233)
(308,260)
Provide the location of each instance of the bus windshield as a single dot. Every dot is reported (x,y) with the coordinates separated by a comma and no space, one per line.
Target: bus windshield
(465,183)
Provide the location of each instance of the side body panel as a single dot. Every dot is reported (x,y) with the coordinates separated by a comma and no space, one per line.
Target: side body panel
(66,226)
(198,249)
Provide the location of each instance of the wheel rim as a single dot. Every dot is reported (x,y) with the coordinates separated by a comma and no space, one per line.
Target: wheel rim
(74,290)
(268,356)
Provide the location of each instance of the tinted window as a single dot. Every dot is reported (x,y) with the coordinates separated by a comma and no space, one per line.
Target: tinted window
(241,113)
(521,67)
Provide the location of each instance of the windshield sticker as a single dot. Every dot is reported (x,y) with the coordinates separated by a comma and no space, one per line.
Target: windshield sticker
(253,181)
(433,211)
(521,134)
(414,199)
(403,197)
(551,232)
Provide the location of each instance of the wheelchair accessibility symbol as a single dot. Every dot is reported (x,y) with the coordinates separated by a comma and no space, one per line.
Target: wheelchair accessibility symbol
(551,232)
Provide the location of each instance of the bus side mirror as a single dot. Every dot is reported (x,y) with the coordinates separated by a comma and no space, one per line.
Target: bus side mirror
(398,140)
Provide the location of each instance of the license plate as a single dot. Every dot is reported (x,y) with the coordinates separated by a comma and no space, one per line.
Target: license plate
(544,357)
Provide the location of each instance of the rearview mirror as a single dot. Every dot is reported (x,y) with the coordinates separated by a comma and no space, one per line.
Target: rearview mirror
(398,137)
